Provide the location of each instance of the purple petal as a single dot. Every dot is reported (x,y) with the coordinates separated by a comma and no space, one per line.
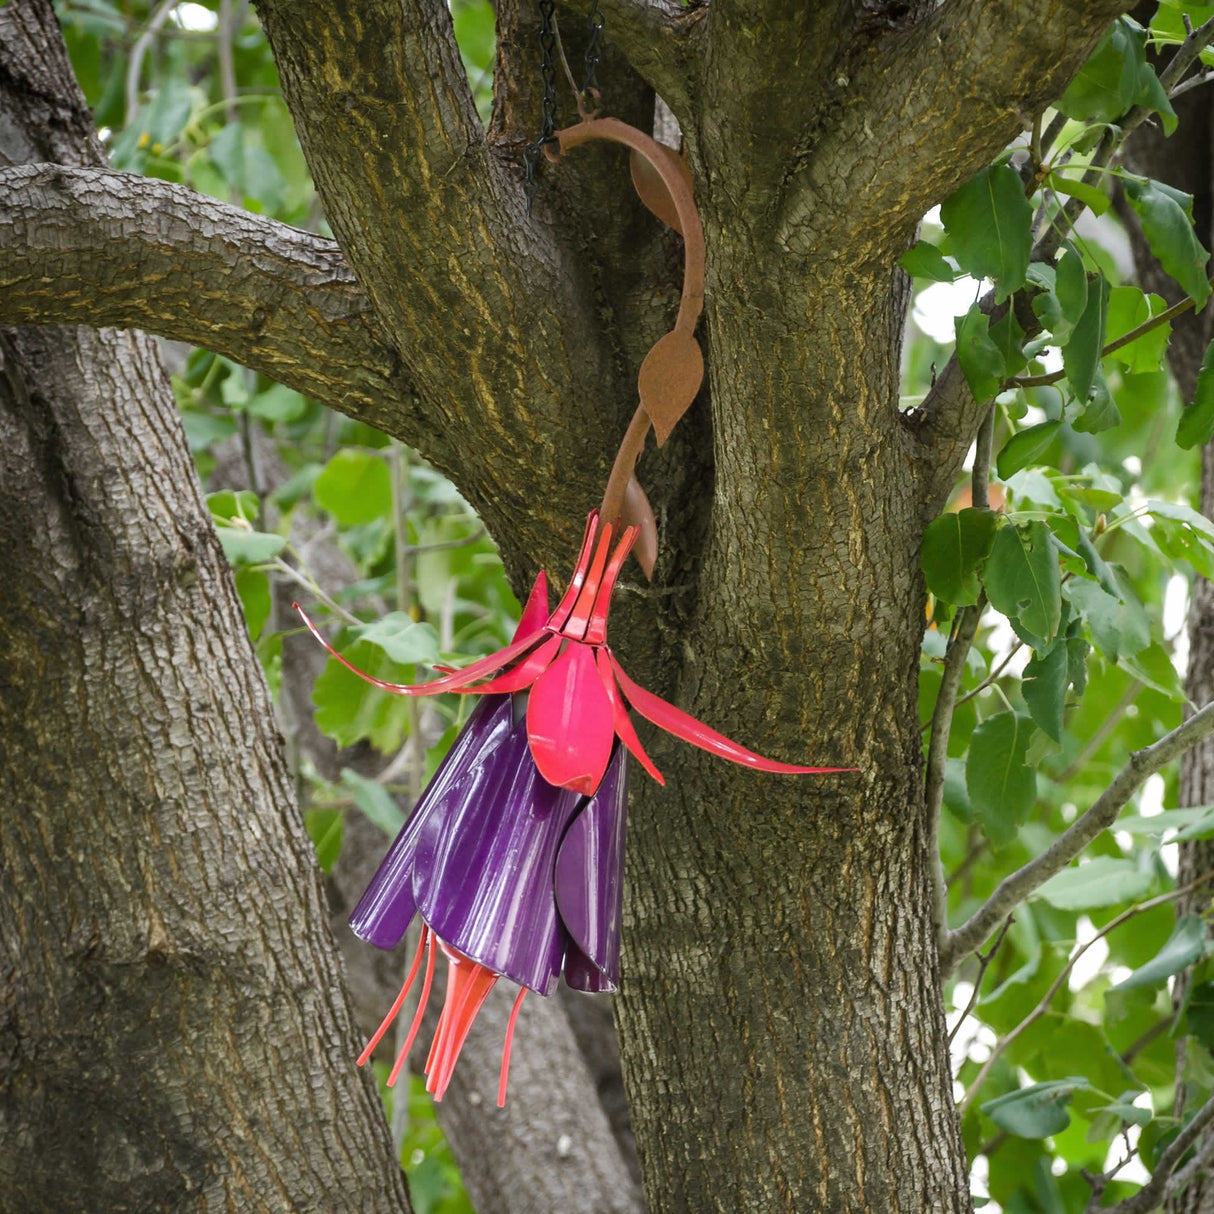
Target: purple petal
(387,906)
(590,878)
(483,869)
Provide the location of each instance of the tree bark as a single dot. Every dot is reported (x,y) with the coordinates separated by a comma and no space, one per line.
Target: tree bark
(173,1027)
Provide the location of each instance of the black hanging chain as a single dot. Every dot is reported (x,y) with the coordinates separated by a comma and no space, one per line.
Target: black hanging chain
(594,52)
(548,107)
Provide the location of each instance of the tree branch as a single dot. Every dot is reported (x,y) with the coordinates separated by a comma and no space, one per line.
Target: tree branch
(950,413)
(971,75)
(1149,1196)
(498,334)
(102,248)
(661,39)
(1014,889)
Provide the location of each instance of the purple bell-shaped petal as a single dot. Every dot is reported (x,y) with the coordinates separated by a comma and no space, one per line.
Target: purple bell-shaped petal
(387,906)
(590,882)
(483,868)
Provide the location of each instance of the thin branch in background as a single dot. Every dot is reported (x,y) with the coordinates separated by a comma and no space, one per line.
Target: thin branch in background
(964,628)
(984,960)
(1014,889)
(1046,999)
(279,566)
(977,847)
(966,625)
(1053,377)
(1107,727)
(1153,1192)
(1192,83)
(135,67)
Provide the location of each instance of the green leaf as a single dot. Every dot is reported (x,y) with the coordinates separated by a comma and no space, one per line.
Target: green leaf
(1102,881)
(1024,447)
(1129,308)
(1118,625)
(374,800)
(1081,353)
(1002,787)
(1186,945)
(246,547)
(354,487)
(1071,288)
(954,545)
(1114,77)
(254,589)
(981,360)
(1008,337)
(1037,1110)
(1022,578)
(1092,196)
(1197,421)
(403,639)
(1169,819)
(1153,666)
(1169,231)
(989,222)
(924,260)
(228,504)
(1126,1111)
(324,828)
(1044,690)
(1099,412)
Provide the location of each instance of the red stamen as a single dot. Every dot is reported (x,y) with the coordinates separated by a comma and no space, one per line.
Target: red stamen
(596,629)
(579,575)
(400,999)
(468,983)
(421,1009)
(501,1083)
(575,625)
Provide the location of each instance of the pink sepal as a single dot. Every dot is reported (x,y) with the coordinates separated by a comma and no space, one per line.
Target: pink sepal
(451,682)
(683,725)
(620,719)
(526,672)
(535,611)
(569,722)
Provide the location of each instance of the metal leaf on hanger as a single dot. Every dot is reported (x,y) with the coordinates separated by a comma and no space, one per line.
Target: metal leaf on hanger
(669,379)
(652,189)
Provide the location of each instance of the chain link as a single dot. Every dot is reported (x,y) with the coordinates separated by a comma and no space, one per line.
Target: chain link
(594,52)
(548,106)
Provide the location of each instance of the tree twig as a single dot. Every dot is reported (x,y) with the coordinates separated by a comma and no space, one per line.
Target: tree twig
(1152,1193)
(998,1048)
(1014,889)
(984,960)
(1053,377)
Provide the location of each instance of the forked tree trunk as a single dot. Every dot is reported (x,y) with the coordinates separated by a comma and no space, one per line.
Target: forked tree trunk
(173,1026)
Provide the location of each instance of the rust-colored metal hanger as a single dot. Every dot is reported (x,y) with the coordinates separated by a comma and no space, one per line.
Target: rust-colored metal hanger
(672,371)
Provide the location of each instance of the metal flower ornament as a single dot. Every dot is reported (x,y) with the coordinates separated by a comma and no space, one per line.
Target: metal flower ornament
(513,855)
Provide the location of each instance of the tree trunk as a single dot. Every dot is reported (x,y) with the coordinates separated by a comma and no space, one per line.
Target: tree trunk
(174,1033)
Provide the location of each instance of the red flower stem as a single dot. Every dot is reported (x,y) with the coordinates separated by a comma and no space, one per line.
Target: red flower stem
(400,999)
(505,1076)
(417,1018)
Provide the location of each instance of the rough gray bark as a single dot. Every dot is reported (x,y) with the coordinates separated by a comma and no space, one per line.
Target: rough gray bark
(783,1036)
(173,1025)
